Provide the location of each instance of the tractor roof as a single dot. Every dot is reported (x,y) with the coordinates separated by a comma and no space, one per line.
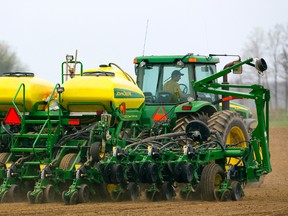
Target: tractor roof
(191,58)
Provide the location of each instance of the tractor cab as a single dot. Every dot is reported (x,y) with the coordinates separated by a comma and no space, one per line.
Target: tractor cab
(167,79)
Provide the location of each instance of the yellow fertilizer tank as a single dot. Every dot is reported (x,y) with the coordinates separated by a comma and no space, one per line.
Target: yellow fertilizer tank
(101,89)
(36,90)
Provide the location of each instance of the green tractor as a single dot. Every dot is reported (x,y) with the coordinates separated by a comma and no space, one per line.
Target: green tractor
(184,104)
(214,134)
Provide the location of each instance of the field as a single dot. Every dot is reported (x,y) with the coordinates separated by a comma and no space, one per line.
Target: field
(269,199)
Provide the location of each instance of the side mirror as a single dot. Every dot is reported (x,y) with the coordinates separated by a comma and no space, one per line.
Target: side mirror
(237,70)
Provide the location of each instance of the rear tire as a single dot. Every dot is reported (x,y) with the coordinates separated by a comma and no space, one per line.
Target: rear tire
(232,129)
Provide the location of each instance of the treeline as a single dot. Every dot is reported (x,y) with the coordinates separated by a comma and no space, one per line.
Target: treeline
(8,59)
(272,45)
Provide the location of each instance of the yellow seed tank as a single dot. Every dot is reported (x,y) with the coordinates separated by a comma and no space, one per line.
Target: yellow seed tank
(100,89)
(36,90)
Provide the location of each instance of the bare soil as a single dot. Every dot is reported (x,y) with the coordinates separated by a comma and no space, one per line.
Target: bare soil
(271,198)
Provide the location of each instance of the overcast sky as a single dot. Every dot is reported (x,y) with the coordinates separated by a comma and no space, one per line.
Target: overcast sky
(43,32)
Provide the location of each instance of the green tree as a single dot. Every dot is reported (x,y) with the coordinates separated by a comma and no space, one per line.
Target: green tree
(9,61)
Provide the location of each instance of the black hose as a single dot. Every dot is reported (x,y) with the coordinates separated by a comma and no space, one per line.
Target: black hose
(5,129)
(90,139)
(74,135)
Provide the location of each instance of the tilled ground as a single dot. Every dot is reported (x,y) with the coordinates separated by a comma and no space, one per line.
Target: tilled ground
(269,199)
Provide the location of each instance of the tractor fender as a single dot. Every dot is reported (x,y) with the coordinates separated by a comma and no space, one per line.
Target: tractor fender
(196,106)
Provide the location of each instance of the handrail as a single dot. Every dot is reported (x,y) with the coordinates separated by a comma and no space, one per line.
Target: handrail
(23,105)
(70,62)
(37,138)
(50,98)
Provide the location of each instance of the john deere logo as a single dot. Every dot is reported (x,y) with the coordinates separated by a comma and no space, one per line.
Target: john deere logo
(123,94)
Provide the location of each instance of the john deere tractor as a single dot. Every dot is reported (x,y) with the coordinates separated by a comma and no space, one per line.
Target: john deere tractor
(155,72)
(215,135)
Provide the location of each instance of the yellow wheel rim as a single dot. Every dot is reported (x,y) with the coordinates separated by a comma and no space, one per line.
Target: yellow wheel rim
(218,181)
(236,136)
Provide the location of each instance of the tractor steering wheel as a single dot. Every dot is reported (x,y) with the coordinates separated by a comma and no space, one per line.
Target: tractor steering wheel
(184,88)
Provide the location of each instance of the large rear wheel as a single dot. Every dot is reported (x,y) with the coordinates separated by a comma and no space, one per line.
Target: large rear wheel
(232,129)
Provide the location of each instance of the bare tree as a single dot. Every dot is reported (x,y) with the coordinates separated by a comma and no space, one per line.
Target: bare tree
(274,45)
(255,47)
(284,61)
(8,59)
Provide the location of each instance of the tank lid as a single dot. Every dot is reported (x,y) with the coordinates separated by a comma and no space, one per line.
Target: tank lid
(18,74)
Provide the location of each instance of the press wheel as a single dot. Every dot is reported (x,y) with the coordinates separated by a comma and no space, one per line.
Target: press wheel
(134,191)
(74,198)
(14,193)
(30,198)
(5,198)
(167,191)
(39,197)
(96,152)
(225,196)
(49,193)
(236,191)
(84,193)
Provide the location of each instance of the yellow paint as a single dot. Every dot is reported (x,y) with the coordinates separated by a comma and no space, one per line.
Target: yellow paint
(42,166)
(35,90)
(235,135)
(77,166)
(8,165)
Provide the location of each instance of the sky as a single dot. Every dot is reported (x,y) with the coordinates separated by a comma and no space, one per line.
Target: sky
(42,33)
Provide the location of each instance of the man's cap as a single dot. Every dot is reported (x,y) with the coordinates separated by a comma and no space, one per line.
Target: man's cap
(176,72)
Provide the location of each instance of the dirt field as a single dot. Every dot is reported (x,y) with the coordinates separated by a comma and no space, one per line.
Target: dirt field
(269,199)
